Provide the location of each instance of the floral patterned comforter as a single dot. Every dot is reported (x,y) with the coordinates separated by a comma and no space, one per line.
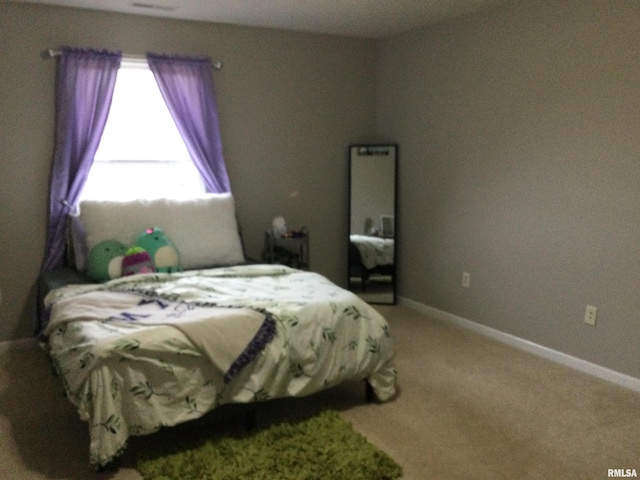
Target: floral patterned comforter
(129,377)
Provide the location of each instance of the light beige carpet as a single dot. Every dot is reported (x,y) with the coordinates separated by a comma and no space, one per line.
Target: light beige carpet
(468,408)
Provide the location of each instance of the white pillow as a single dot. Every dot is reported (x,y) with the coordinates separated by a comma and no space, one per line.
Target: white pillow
(203,229)
(78,243)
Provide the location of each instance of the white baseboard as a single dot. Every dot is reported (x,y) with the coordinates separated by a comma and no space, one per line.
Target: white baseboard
(21,344)
(598,371)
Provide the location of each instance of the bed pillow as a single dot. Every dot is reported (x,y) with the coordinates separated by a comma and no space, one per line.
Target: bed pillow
(203,228)
(78,244)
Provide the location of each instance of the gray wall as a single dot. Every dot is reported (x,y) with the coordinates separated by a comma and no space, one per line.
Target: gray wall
(289,104)
(519,134)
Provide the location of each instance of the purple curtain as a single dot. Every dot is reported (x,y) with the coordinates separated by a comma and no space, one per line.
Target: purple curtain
(186,85)
(86,79)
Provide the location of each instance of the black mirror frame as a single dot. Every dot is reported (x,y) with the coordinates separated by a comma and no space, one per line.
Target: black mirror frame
(350,251)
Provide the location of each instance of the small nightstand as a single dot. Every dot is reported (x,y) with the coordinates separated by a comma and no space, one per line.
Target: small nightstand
(292,251)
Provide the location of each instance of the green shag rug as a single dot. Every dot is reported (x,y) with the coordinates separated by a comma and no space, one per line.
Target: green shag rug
(321,447)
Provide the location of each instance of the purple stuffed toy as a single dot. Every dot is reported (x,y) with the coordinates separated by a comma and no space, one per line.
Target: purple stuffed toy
(137,260)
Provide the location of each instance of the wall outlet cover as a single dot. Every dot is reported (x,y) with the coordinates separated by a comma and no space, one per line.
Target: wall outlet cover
(591,315)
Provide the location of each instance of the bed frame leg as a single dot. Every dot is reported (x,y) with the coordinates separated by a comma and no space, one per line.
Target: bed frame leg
(251,419)
(368,392)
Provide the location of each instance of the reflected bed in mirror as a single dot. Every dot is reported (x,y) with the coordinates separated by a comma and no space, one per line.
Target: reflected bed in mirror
(372,222)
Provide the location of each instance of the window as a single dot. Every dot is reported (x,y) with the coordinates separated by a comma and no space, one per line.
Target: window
(141,152)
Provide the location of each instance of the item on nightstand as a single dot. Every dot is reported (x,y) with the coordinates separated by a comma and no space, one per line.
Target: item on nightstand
(279,226)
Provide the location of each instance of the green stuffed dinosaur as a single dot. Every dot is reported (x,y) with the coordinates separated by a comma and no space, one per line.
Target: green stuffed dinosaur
(163,252)
(105,260)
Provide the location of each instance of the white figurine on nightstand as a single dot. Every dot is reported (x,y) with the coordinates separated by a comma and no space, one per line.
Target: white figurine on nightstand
(279,226)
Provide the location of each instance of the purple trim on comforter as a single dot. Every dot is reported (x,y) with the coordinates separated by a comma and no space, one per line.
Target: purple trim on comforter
(264,335)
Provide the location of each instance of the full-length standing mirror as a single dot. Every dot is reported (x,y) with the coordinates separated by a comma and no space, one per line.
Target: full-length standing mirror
(372,222)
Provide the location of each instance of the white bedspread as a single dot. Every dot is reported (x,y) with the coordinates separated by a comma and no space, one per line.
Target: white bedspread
(130,369)
(374,251)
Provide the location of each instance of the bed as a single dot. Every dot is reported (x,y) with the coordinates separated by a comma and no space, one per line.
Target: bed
(370,255)
(149,350)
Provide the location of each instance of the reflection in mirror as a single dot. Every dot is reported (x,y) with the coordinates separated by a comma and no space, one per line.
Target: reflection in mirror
(372,222)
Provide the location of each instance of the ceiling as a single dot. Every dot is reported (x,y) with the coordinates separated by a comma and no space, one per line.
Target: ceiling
(360,18)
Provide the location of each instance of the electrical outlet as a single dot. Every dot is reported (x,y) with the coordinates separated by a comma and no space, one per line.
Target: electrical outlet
(466,279)
(590,315)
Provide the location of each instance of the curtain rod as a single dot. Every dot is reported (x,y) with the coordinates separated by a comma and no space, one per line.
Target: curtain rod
(50,53)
